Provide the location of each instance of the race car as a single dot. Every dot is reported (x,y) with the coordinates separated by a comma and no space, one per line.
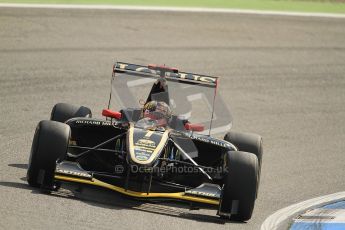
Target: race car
(157,142)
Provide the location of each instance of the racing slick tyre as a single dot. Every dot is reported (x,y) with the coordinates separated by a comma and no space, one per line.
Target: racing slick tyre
(49,144)
(62,112)
(247,142)
(240,186)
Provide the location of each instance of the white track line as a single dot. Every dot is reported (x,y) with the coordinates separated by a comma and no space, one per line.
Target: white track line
(282,218)
(172,9)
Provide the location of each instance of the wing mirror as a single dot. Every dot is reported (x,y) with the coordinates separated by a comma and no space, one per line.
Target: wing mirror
(194,127)
(112,114)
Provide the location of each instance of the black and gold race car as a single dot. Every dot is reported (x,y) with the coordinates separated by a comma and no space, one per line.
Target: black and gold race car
(154,144)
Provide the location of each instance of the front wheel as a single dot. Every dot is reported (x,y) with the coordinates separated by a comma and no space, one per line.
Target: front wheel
(240,186)
(50,143)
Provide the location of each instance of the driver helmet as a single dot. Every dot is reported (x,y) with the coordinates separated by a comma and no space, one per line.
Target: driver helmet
(157,110)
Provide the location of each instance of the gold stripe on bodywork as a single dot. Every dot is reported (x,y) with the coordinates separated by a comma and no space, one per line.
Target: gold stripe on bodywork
(177,195)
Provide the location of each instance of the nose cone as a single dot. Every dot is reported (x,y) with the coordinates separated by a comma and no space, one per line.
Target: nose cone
(145,146)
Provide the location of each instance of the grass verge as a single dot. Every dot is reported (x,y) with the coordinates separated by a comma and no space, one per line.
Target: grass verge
(317,6)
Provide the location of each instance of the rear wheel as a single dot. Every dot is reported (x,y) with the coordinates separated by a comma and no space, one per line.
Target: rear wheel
(62,112)
(247,142)
(240,186)
(49,144)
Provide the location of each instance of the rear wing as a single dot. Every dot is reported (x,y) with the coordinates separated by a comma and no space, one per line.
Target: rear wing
(171,74)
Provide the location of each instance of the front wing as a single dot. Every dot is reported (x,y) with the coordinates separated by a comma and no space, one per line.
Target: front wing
(206,194)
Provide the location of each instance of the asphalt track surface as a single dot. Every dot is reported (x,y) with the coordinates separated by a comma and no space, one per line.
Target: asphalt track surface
(283,77)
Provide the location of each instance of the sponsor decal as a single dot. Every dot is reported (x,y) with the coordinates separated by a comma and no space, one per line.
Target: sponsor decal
(142,156)
(146,143)
(200,193)
(73,173)
(211,141)
(143,149)
(185,76)
(95,123)
(148,134)
(88,122)
(192,77)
